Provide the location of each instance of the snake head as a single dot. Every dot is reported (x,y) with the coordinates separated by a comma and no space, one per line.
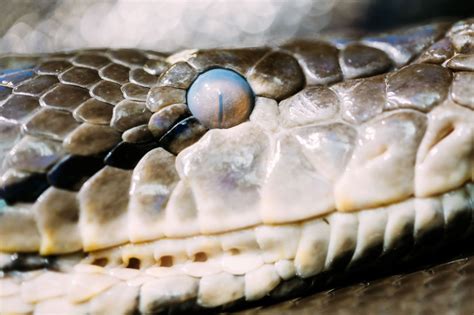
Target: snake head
(207,177)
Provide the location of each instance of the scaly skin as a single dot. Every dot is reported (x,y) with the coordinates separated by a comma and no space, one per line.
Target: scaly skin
(353,148)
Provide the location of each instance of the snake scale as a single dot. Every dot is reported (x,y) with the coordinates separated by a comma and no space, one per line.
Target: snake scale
(139,182)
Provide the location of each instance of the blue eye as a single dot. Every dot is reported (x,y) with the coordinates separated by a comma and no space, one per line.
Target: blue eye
(220,98)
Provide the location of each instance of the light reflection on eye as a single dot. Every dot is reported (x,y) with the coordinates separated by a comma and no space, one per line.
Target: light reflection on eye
(220,98)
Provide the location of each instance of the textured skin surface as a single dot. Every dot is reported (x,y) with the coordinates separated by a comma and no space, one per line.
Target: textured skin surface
(81,169)
(448,287)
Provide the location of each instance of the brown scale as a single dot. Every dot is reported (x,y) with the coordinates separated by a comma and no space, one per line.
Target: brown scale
(163,96)
(90,60)
(361,61)
(128,114)
(319,61)
(239,60)
(137,134)
(135,92)
(36,86)
(18,107)
(53,67)
(108,92)
(72,92)
(115,73)
(94,111)
(142,78)
(64,96)
(89,139)
(180,76)
(83,77)
(51,123)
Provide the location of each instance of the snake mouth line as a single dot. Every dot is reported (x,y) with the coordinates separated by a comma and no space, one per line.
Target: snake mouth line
(245,264)
(199,255)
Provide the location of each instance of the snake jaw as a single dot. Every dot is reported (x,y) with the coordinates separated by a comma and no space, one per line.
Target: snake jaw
(250,263)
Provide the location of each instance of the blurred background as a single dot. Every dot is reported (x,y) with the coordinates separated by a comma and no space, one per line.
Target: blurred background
(29,26)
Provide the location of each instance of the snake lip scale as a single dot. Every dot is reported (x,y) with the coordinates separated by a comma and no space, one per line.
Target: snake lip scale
(133,181)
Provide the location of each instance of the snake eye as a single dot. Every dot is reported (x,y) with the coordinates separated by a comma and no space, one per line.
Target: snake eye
(220,98)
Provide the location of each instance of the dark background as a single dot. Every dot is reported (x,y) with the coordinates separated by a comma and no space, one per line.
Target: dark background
(382,14)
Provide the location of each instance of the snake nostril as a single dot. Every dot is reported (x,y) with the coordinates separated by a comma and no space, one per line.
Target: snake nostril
(220,98)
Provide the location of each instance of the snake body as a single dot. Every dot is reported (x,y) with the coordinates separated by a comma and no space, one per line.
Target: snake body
(115,198)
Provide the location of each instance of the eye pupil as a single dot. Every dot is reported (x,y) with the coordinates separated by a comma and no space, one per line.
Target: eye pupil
(221,109)
(220,98)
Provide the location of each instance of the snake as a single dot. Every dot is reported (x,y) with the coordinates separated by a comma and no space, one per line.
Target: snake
(134,181)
